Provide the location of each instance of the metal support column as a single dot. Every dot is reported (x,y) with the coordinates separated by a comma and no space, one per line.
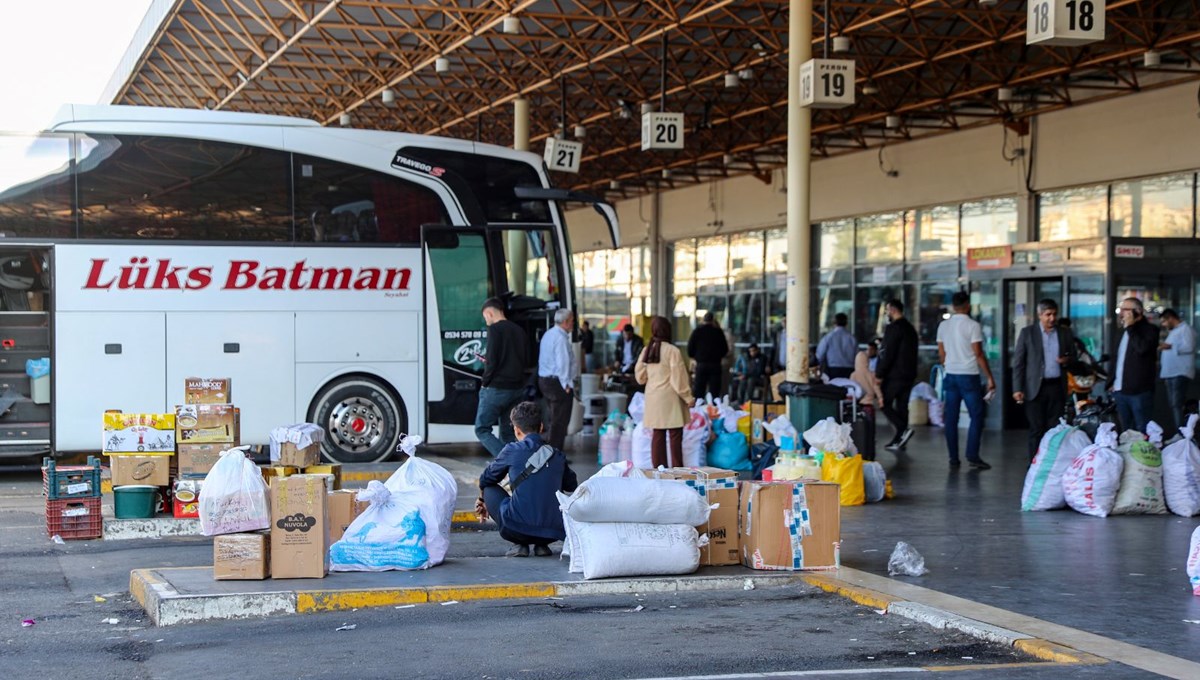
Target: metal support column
(799,228)
(517,245)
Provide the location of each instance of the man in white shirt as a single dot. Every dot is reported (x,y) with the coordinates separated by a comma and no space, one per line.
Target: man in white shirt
(556,375)
(960,349)
(1178,361)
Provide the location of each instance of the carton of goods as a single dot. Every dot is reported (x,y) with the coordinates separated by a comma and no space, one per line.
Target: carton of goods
(206,424)
(198,459)
(789,526)
(241,557)
(344,508)
(145,433)
(273,472)
(761,413)
(297,445)
(148,470)
(185,498)
(718,487)
(299,527)
(331,470)
(235,497)
(206,391)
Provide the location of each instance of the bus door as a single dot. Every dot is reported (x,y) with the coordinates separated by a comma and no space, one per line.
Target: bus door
(464,266)
(25,334)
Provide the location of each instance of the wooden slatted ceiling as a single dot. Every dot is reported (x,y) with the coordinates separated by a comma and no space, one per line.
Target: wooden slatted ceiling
(937,63)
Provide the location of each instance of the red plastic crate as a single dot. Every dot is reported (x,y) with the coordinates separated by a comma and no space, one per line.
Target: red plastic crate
(74,518)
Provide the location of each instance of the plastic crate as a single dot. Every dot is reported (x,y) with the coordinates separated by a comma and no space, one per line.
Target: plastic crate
(70,481)
(75,518)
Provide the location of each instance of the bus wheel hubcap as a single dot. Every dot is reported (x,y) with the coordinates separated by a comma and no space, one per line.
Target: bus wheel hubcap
(356,424)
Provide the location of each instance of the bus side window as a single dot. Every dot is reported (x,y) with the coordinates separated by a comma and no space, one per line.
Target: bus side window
(346,204)
(36,189)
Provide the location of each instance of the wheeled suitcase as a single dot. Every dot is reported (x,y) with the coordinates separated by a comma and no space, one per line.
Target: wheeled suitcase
(862,432)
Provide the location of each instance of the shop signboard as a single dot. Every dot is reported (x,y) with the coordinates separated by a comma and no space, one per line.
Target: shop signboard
(991,257)
(1130,252)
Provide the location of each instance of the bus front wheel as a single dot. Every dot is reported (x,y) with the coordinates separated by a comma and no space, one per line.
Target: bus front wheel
(362,420)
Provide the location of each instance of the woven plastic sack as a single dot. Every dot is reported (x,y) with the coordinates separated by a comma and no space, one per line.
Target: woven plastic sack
(1043,481)
(1141,491)
(874,481)
(433,490)
(1193,562)
(637,407)
(641,501)
(390,534)
(605,549)
(235,496)
(1090,484)
(1181,472)
(848,473)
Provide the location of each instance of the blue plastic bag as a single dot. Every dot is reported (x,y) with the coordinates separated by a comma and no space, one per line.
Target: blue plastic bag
(730,451)
(36,368)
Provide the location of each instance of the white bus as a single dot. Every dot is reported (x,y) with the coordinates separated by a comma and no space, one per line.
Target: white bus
(335,275)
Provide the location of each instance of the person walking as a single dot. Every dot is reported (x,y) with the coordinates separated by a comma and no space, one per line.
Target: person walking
(587,344)
(1044,350)
(503,377)
(535,471)
(1178,361)
(897,371)
(556,375)
(1132,369)
(960,350)
(836,351)
(749,372)
(661,369)
(707,347)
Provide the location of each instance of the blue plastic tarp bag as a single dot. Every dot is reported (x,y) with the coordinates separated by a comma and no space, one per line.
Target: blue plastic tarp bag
(389,534)
(730,451)
(36,368)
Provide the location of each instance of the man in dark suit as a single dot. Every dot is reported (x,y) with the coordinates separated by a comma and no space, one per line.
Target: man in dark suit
(1131,371)
(897,371)
(629,348)
(1044,349)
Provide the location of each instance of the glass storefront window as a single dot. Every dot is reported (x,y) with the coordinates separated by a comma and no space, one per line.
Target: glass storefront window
(1155,207)
(992,222)
(684,257)
(933,306)
(879,238)
(1087,311)
(830,302)
(1081,212)
(931,233)
(777,257)
(870,316)
(712,263)
(746,260)
(835,243)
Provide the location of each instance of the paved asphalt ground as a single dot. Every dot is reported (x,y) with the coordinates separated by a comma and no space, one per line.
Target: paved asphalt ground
(976,544)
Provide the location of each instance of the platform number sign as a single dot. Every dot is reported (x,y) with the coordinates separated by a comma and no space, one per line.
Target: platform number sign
(562,155)
(662,130)
(1064,22)
(827,83)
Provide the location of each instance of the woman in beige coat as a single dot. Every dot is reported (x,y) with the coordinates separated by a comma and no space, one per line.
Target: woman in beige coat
(662,370)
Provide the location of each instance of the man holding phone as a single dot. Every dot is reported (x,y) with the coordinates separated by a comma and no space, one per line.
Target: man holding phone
(1044,348)
(1132,369)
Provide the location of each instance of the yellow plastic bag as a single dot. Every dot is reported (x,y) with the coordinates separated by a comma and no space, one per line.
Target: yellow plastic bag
(848,473)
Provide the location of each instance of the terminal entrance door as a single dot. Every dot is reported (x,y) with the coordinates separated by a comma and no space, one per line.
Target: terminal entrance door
(1021,297)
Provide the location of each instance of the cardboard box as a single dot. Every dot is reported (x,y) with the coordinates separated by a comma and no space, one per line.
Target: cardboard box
(299,527)
(144,433)
(343,509)
(241,557)
(206,391)
(185,498)
(198,459)
(294,456)
(761,413)
(135,469)
(721,487)
(331,470)
(206,423)
(790,525)
(273,472)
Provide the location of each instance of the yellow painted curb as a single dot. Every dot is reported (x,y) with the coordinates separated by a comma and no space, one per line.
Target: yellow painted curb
(987,666)
(139,580)
(334,600)
(507,591)
(1051,651)
(461,516)
(864,596)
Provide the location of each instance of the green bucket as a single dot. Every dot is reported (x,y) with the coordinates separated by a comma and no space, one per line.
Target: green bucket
(135,501)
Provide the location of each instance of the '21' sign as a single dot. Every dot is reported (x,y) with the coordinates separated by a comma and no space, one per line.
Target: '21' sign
(562,155)
(1064,22)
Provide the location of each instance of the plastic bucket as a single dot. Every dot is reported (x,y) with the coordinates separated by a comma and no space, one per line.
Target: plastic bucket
(135,501)
(589,384)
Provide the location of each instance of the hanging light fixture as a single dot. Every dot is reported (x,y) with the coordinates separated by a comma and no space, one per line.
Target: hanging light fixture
(1004,94)
(841,44)
(666,173)
(580,132)
(388,97)
(731,80)
(614,185)
(870,88)
(746,74)
(892,121)
(1151,58)
(727,159)
(512,25)
(344,120)
(441,65)
(647,107)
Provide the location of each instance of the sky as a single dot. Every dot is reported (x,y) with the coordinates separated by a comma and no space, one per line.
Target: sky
(58,52)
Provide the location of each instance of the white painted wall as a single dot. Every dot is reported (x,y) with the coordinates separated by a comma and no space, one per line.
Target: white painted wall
(1151,133)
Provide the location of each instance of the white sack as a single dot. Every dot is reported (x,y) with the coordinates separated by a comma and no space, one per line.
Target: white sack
(874,481)
(235,496)
(640,448)
(643,501)
(1141,491)
(389,534)
(1193,562)
(622,468)
(637,407)
(432,489)
(1090,484)
(607,549)
(1181,473)
(1043,481)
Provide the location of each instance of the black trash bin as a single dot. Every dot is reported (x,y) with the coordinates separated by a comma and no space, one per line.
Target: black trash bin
(810,403)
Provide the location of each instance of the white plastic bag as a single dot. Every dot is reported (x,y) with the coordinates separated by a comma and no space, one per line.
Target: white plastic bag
(730,417)
(874,481)
(640,451)
(637,407)
(829,436)
(906,561)
(1193,562)
(389,534)
(1043,481)
(235,496)
(782,431)
(606,549)
(923,391)
(626,444)
(432,489)
(643,501)
(1141,491)
(937,413)
(1181,472)
(1090,484)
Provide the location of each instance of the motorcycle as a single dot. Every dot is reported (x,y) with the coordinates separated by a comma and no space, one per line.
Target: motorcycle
(1086,406)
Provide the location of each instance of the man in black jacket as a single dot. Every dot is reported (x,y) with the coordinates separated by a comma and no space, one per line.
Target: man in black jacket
(1131,371)
(707,347)
(503,377)
(897,371)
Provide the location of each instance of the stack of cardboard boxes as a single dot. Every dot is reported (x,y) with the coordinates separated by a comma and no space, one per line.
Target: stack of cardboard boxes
(206,424)
(140,448)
